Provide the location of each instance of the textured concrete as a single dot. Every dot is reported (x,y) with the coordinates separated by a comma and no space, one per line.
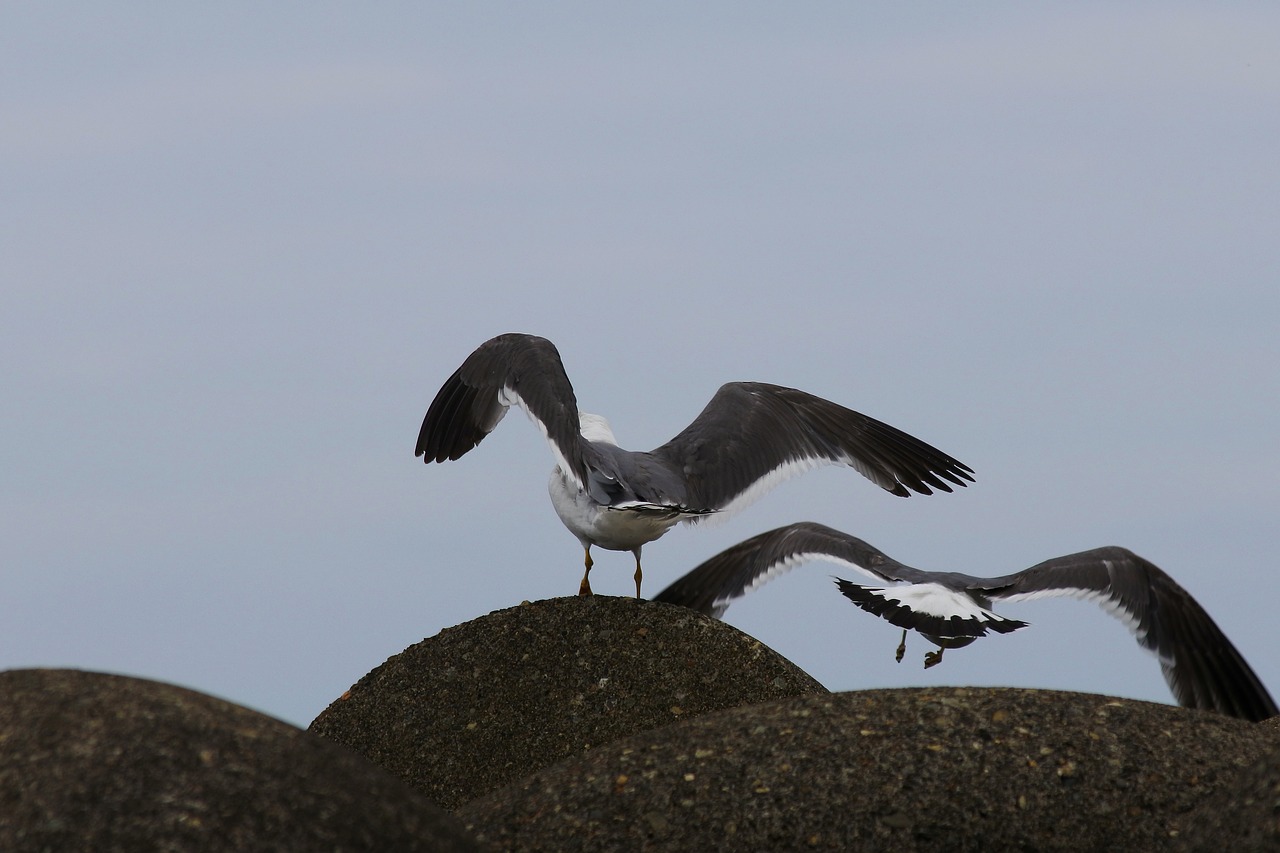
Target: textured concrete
(1243,814)
(611,724)
(107,763)
(490,701)
(938,770)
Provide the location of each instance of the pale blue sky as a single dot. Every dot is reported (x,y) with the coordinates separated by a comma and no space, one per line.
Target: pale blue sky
(242,248)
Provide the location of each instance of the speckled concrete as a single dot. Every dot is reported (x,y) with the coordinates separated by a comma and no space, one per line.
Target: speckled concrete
(937,770)
(490,701)
(1243,814)
(106,763)
(611,724)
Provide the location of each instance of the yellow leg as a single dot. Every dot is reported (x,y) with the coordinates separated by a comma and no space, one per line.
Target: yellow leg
(902,647)
(933,658)
(585,587)
(638,575)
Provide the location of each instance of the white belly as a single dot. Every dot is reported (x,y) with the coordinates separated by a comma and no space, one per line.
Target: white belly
(615,529)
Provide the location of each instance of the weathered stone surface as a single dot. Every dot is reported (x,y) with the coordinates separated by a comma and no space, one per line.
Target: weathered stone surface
(107,763)
(1244,814)
(944,769)
(490,701)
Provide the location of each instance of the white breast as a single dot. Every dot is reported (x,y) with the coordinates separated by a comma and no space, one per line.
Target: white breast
(616,529)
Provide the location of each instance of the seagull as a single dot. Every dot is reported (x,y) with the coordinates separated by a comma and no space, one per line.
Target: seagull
(750,437)
(950,609)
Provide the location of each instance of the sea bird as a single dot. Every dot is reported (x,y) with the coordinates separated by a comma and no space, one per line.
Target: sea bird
(750,437)
(950,609)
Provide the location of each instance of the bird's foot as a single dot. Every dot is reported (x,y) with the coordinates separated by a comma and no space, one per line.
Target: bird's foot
(902,647)
(932,658)
(584,588)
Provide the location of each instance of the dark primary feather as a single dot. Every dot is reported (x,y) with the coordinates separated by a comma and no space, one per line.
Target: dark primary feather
(749,429)
(1201,666)
(729,575)
(467,407)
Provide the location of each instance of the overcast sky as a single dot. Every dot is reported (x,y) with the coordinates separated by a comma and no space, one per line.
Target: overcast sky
(243,245)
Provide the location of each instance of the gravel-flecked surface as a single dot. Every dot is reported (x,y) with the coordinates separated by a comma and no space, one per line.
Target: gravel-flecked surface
(961,769)
(107,763)
(1242,815)
(490,701)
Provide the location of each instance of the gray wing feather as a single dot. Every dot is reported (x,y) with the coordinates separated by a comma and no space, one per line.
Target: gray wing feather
(1201,666)
(713,585)
(511,368)
(751,430)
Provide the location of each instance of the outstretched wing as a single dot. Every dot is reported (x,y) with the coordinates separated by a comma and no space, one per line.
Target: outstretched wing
(753,435)
(1201,666)
(509,370)
(731,574)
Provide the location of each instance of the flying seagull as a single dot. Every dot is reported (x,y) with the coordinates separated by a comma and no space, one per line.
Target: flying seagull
(749,438)
(1200,665)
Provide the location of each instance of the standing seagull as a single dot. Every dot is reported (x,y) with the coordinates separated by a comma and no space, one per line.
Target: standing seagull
(749,438)
(1201,667)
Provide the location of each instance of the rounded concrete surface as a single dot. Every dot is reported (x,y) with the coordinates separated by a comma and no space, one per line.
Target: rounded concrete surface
(490,701)
(107,763)
(950,769)
(1246,811)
